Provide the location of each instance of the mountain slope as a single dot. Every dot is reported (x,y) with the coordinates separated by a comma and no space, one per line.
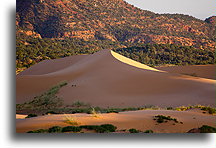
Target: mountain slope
(113,20)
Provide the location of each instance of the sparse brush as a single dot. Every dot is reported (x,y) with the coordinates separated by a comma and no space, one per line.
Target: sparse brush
(80,104)
(94,113)
(207,129)
(133,130)
(162,118)
(70,120)
(148,131)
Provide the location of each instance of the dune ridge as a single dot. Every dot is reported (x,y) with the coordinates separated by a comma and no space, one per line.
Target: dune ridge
(132,62)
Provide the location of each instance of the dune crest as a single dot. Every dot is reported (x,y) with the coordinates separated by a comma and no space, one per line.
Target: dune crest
(132,62)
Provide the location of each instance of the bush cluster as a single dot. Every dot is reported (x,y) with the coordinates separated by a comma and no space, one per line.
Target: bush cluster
(104,128)
(161,119)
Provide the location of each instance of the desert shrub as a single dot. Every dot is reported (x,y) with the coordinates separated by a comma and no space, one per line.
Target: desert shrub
(55,129)
(207,129)
(133,130)
(209,109)
(109,127)
(112,111)
(71,120)
(46,101)
(148,131)
(31,115)
(169,108)
(161,119)
(104,128)
(50,112)
(38,131)
(94,113)
(71,129)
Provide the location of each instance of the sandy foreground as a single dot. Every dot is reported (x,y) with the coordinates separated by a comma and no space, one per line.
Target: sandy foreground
(141,120)
(107,79)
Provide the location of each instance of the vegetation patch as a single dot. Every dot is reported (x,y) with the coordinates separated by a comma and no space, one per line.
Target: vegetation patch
(31,115)
(162,119)
(46,101)
(104,128)
(205,108)
(148,131)
(209,109)
(71,120)
(74,129)
(207,129)
(55,129)
(133,130)
(161,54)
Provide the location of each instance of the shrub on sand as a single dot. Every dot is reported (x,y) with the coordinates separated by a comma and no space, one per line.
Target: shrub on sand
(71,129)
(207,129)
(31,115)
(148,131)
(133,130)
(71,120)
(55,129)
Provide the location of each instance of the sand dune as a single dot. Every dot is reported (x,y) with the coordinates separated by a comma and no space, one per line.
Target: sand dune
(103,79)
(204,71)
(141,120)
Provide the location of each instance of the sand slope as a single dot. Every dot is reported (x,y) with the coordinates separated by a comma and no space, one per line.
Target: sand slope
(102,80)
(141,120)
(204,71)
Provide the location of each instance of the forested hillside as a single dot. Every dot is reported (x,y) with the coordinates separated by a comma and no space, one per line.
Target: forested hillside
(48,29)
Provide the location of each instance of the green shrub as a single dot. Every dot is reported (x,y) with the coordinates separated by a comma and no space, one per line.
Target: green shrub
(71,129)
(109,127)
(161,119)
(209,109)
(31,115)
(55,129)
(133,130)
(169,108)
(112,111)
(104,128)
(207,129)
(90,127)
(149,131)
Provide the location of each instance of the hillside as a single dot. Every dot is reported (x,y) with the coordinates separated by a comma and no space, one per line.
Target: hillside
(69,27)
(113,20)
